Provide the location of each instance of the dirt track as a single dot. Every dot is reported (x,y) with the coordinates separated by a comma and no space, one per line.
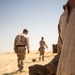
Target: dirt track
(8,62)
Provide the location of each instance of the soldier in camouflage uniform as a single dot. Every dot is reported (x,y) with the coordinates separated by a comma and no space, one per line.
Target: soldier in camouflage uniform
(42,48)
(20,43)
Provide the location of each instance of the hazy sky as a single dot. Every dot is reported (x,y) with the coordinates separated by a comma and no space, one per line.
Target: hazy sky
(40,17)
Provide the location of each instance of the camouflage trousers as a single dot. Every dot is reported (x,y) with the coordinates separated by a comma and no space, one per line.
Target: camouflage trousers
(21,56)
(42,51)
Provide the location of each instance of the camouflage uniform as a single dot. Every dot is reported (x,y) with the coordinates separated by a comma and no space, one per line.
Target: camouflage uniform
(42,49)
(21,41)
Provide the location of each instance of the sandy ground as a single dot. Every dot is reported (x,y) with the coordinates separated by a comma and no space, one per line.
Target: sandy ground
(8,62)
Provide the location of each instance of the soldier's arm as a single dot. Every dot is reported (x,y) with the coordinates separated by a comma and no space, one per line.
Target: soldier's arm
(15,48)
(45,44)
(27,44)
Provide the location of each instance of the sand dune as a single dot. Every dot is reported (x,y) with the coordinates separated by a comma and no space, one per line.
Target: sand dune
(8,62)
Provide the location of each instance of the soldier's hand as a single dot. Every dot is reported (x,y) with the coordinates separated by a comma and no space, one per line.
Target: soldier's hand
(15,49)
(47,47)
(28,51)
(50,69)
(37,70)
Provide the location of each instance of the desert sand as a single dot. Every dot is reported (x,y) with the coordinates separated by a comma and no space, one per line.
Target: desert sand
(8,62)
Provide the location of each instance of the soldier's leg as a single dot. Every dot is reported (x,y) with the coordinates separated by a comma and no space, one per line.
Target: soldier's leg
(21,56)
(20,64)
(40,58)
(22,59)
(43,57)
(19,61)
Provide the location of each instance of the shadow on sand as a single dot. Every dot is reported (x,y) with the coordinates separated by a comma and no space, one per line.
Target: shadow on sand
(30,61)
(12,73)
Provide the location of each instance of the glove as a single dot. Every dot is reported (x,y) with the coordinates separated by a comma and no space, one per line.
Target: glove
(37,70)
